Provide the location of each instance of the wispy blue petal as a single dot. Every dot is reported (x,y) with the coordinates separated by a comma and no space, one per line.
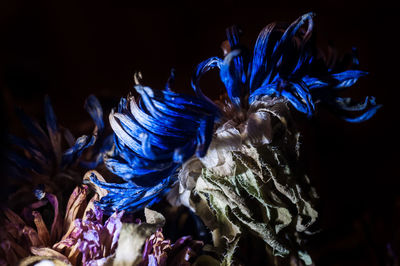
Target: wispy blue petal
(75,151)
(93,107)
(201,69)
(347,78)
(363,117)
(232,77)
(53,129)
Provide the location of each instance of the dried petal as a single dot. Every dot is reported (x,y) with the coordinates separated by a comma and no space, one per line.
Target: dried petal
(43,233)
(75,207)
(48,252)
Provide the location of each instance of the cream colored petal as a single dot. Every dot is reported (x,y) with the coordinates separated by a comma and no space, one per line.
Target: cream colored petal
(101,191)
(75,207)
(49,253)
(36,260)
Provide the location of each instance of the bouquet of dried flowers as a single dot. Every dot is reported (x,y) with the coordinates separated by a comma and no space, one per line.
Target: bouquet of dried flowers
(233,163)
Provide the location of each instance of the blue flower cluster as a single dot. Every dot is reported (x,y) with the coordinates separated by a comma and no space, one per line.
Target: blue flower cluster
(285,63)
(153,137)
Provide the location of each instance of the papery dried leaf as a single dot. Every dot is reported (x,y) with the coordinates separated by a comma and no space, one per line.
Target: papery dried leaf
(258,128)
(228,256)
(261,172)
(154,218)
(132,238)
(130,243)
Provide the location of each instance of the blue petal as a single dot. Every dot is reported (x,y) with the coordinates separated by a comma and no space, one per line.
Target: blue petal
(129,196)
(29,147)
(35,131)
(205,136)
(346,105)
(290,32)
(266,90)
(347,78)
(305,96)
(261,58)
(314,82)
(23,165)
(53,129)
(93,107)
(123,126)
(201,69)
(365,116)
(151,139)
(72,154)
(231,77)
(238,69)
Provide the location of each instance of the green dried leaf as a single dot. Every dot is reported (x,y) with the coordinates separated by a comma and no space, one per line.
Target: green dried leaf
(257,186)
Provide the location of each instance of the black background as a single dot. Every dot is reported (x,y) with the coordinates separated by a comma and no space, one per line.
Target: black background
(72,49)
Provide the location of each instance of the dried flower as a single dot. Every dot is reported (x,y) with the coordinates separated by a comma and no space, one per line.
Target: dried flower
(286,64)
(159,251)
(251,178)
(152,138)
(80,237)
(43,161)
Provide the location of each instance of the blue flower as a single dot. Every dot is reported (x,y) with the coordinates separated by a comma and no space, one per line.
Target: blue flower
(153,137)
(50,155)
(285,63)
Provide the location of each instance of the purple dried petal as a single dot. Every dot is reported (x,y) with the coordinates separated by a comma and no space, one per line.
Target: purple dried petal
(97,262)
(109,234)
(91,236)
(147,249)
(98,213)
(152,261)
(27,211)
